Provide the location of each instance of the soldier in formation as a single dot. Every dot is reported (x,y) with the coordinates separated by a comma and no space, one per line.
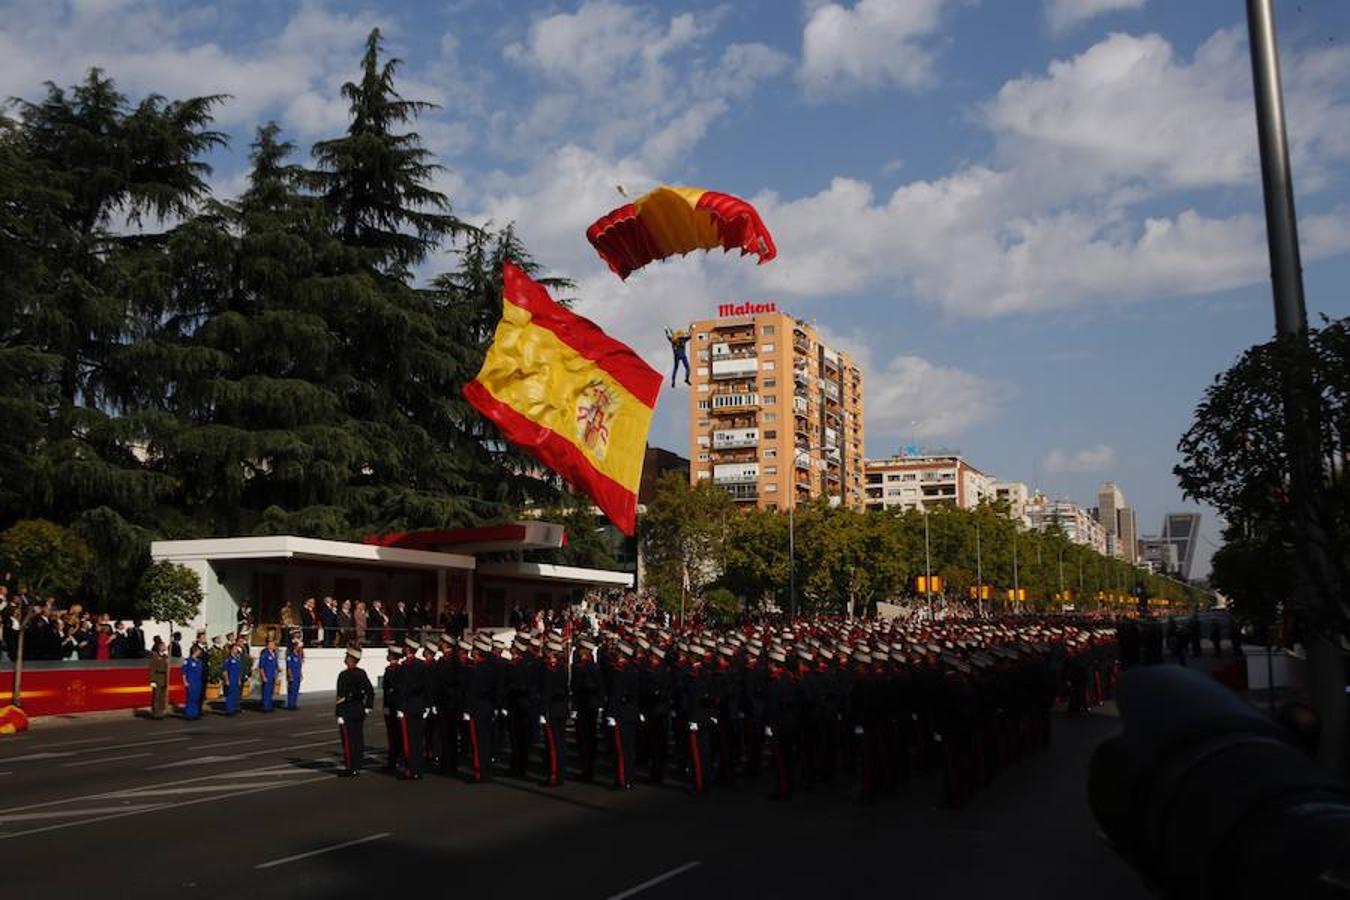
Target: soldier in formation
(871,703)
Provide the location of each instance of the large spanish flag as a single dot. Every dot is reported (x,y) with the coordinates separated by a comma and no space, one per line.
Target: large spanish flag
(573,397)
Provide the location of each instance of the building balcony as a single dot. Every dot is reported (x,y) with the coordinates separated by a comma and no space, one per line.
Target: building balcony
(734,367)
(724,404)
(734,438)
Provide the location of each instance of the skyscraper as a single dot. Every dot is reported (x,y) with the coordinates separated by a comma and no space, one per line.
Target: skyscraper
(1118,521)
(1182,530)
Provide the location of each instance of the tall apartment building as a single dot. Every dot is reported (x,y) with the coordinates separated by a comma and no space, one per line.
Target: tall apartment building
(1016,496)
(774,414)
(1118,521)
(1077,523)
(926,481)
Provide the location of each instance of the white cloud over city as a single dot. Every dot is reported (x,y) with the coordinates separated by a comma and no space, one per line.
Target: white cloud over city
(1099,458)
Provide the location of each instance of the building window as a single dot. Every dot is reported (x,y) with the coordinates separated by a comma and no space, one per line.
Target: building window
(767,348)
(702,423)
(893,477)
(703,389)
(767,329)
(770,453)
(770,417)
(770,470)
(770,435)
(703,356)
(703,336)
(770,383)
(767,365)
(703,457)
(701,371)
(770,399)
(704,404)
(771,488)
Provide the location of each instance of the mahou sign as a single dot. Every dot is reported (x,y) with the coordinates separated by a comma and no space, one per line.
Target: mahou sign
(746,309)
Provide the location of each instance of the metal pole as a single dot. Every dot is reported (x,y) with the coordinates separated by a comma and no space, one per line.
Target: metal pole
(1316,581)
(979,574)
(927,566)
(1017,586)
(792,556)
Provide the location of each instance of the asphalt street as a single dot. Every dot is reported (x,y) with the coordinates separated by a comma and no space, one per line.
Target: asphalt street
(250,807)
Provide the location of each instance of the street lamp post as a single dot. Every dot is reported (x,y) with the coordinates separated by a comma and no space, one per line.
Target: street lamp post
(927,564)
(792,552)
(1017,585)
(979,573)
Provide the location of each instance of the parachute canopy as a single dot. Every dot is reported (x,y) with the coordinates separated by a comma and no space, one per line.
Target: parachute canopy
(677,220)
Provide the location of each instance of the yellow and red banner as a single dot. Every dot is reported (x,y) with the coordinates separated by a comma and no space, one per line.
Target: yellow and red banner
(570,395)
(673,220)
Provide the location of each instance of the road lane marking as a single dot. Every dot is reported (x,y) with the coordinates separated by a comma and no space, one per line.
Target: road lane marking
(102,759)
(653,882)
(214,799)
(29,757)
(117,794)
(299,856)
(315,731)
(213,760)
(66,813)
(225,744)
(195,789)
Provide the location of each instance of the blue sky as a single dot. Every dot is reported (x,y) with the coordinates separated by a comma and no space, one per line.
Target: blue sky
(1038,222)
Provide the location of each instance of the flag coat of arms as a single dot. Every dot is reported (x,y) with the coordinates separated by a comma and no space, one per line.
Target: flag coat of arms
(577,400)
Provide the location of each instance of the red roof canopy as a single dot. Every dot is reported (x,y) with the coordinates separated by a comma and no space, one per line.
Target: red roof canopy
(484,539)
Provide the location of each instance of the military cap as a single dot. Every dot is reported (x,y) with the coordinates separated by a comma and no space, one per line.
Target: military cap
(412,644)
(394,653)
(354,653)
(777,655)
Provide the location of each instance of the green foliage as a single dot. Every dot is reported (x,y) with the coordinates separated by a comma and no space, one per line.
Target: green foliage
(169,593)
(251,365)
(49,558)
(721,605)
(1234,457)
(684,536)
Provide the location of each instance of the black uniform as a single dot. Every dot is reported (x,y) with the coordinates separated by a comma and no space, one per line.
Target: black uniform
(553,703)
(654,690)
(482,687)
(621,709)
(413,688)
(393,732)
(355,695)
(449,701)
(587,695)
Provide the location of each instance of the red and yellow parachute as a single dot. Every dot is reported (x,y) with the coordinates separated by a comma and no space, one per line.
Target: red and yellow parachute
(677,220)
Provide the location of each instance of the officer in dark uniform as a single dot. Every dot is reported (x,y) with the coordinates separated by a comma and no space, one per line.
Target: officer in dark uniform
(726,681)
(622,714)
(449,701)
(700,709)
(522,705)
(431,718)
(587,696)
(553,694)
(654,690)
(782,722)
(355,698)
(482,689)
(755,685)
(412,708)
(390,689)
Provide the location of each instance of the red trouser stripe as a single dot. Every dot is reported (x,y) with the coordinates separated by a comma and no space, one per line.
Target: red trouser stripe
(407,744)
(697,760)
(346,746)
(621,772)
(552,753)
(473,743)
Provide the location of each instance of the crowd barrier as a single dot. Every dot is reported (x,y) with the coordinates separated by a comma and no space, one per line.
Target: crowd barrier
(75,686)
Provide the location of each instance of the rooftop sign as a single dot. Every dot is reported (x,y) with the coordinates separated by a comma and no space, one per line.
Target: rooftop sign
(746,309)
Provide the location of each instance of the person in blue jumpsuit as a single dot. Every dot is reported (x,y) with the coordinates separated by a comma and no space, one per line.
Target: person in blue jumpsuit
(295,665)
(267,669)
(194,683)
(678,341)
(233,668)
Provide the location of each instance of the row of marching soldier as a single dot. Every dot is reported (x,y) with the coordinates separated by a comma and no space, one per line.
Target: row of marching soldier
(789,706)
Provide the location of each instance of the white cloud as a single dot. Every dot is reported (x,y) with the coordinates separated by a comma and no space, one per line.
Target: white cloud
(149,46)
(1089,459)
(1054,221)
(874,43)
(913,397)
(1062,16)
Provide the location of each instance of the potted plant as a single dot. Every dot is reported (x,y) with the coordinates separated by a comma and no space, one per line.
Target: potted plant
(169,593)
(214,672)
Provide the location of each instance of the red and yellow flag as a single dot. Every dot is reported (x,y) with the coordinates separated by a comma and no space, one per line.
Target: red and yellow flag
(574,398)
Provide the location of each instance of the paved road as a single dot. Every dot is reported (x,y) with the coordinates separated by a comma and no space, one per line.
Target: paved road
(249,807)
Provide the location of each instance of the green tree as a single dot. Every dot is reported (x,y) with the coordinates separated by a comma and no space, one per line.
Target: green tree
(45,556)
(684,536)
(169,593)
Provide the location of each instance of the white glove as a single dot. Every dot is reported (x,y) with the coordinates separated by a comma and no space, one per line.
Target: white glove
(502,713)
(341,721)
(642,717)
(858,730)
(572,716)
(914,716)
(937,738)
(467,717)
(543,720)
(426,713)
(368,712)
(609,720)
(713,721)
(693,726)
(400,714)
(768,731)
